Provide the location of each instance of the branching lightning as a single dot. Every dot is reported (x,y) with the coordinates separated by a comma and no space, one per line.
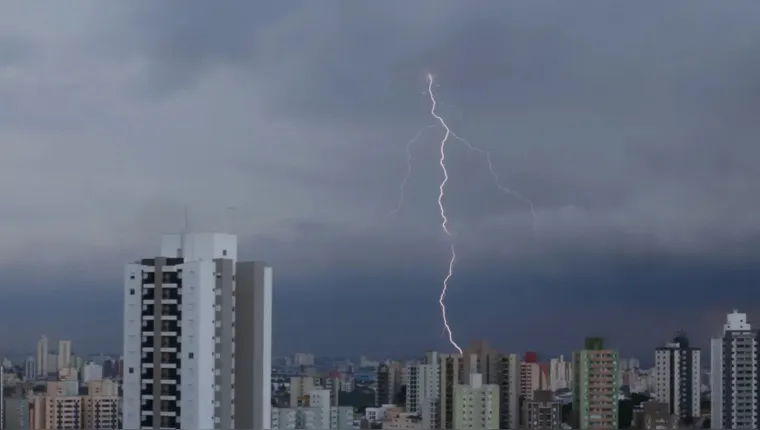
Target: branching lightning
(497,180)
(408,168)
(444,220)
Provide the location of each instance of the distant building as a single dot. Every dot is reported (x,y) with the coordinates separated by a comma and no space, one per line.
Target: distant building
(560,373)
(678,372)
(64,354)
(734,364)
(508,380)
(303,359)
(314,412)
(476,405)
(92,372)
(388,383)
(530,378)
(300,386)
(422,382)
(542,412)
(653,415)
(595,386)
(16,413)
(42,357)
(30,369)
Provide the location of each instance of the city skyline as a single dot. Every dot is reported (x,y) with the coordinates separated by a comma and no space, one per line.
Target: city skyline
(637,150)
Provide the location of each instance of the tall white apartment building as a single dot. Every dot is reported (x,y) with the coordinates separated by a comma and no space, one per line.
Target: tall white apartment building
(530,381)
(560,373)
(197,337)
(30,369)
(734,367)
(300,386)
(678,371)
(476,405)
(42,356)
(64,354)
(422,382)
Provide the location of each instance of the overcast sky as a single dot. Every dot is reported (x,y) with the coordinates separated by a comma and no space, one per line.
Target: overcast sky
(631,126)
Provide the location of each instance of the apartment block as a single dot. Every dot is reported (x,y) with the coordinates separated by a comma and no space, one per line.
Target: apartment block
(197,337)
(595,386)
(476,405)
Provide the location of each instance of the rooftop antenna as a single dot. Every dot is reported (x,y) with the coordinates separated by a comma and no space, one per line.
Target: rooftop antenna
(231,210)
(185,230)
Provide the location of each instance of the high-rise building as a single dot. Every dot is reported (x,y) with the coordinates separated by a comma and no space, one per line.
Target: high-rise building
(734,366)
(42,356)
(476,405)
(451,375)
(485,362)
(560,373)
(678,372)
(388,383)
(509,391)
(64,354)
(30,369)
(422,382)
(530,378)
(542,411)
(595,386)
(197,335)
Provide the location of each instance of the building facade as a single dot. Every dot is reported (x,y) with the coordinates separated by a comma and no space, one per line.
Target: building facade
(595,386)
(476,405)
(734,368)
(677,373)
(190,316)
(542,412)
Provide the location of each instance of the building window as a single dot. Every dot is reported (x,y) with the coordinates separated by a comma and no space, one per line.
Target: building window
(191,355)
(131,370)
(224,252)
(131,291)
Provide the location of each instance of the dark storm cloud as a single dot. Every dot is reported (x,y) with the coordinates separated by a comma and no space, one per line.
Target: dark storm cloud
(630,126)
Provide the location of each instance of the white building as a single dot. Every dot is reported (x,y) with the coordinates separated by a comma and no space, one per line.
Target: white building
(92,372)
(64,354)
(560,373)
(303,359)
(734,375)
(42,356)
(677,383)
(423,389)
(476,405)
(314,412)
(197,337)
(30,369)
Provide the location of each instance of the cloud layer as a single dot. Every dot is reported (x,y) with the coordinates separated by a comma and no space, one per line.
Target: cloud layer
(632,128)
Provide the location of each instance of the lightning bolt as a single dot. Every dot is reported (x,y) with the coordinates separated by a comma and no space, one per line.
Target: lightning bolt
(408,168)
(444,220)
(497,180)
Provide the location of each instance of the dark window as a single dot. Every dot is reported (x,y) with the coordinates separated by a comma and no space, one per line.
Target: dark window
(131,370)
(224,252)
(131,291)
(191,355)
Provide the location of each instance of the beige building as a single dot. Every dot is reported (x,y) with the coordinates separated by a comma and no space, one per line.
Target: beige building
(476,405)
(530,379)
(300,386)
(396,420)
(62,408)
